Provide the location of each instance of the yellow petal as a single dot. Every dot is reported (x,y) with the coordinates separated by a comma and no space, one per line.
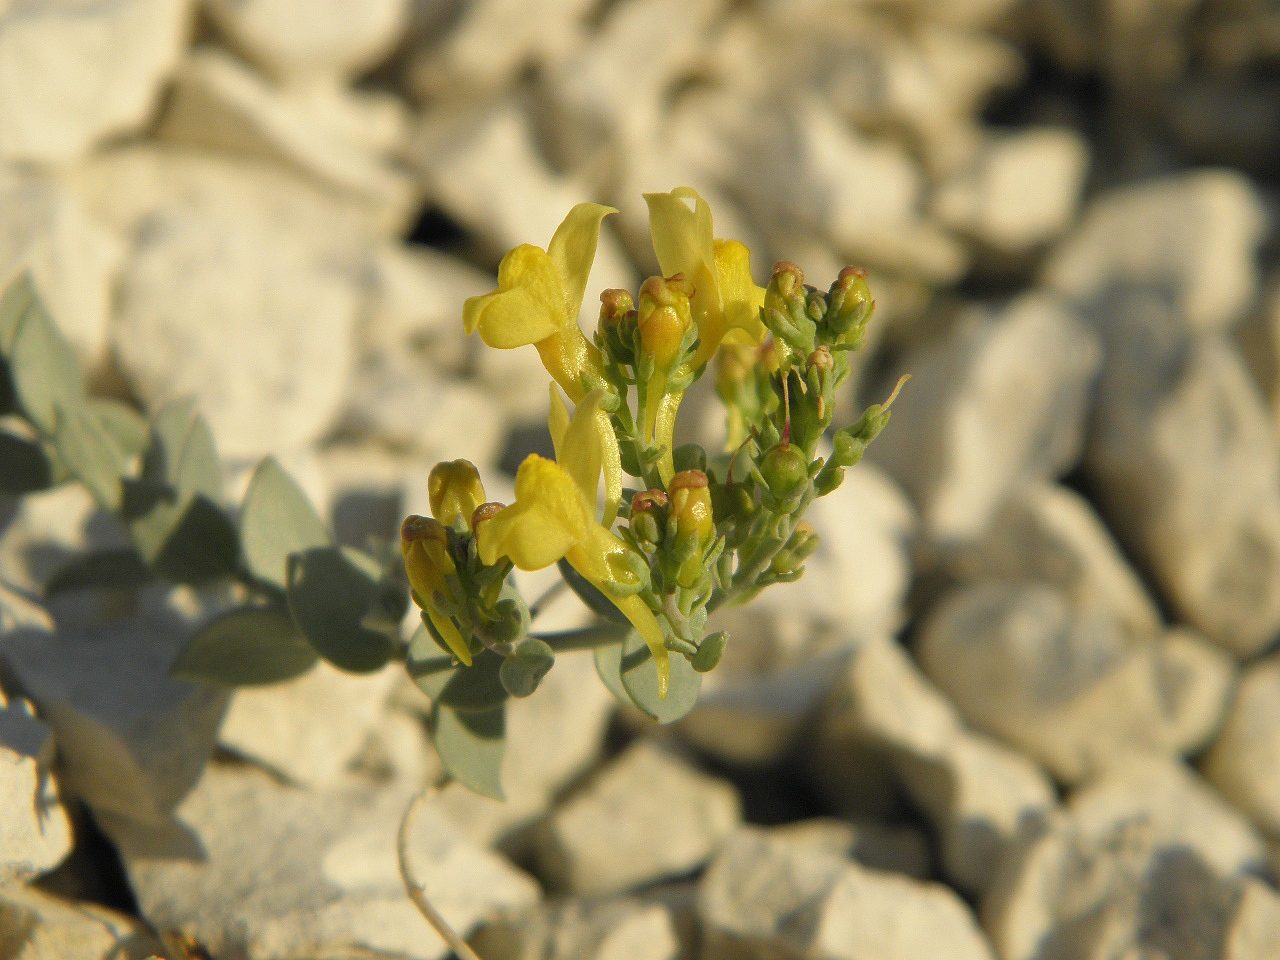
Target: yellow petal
(449,633)
(578,449)
(741,298)
(642,618)
(455,490)
(546,521)
(573,249)
(528,306)
(557,419)
(684,243)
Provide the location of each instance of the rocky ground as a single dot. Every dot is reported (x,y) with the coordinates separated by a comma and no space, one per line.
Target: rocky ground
(1024,704)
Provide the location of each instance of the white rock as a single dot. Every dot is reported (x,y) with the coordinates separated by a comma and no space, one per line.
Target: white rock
(131,740)
(1048,533)
(289,873)
(1069,689)
(415,305)
(46,529)
(1196,499)
(980,796)
(1137,865)
(609,95)
(76,73)
(645,816)
(1243,756)
(1193,235)
(310,729)
(766,897)
(584,930)
(252,321)
(125,186)
(491,40)
(341,138)
(863,194)
(38,926)
(998,402)
(1020,191)
(71,258)
(894,849)
(301,40)
(411,407)
(486,173)
(35,834)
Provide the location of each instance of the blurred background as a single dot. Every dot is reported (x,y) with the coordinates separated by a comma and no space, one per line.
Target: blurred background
(1038,632)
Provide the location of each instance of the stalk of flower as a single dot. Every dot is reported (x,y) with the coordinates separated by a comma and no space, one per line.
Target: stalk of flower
(554,516)
(537,302)
(725,302)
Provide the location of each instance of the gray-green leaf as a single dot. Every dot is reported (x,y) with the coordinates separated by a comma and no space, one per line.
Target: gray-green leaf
(276,520)
(471,746)
(330,591)
(246,647)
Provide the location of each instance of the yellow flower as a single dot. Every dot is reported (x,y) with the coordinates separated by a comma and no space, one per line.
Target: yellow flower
(726,302)
(455,490)
(537,302)
(554,517)
(425,545)
(725,297)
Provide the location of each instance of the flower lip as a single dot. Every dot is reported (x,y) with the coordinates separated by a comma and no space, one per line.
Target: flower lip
(688,480)
(416,528)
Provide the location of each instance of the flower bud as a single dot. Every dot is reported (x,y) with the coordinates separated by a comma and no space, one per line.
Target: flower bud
(785,470)
(484,512)
(615,304)
(787,278)
(849,302)
(425,545)
(800,545)
(663,317)
(455,490)
(647,512)
(691,507)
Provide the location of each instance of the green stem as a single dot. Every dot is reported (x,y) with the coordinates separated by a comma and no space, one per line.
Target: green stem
(583,638)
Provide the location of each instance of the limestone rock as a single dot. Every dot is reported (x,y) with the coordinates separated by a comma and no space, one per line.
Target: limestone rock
(1020,191)
(1194,498)
(879,846)
(491,40)
(71,258)
(765,897)
(1050,534)
(998,402)
(1154,873)
(624,929)
(45,530)
(37,926)
(1068,689)
(1192,234)
(310,729)
(865,195)
(245,317)
(486,173)
(75,74)
(131,740)
(1243,756)
(35,833)
(300,40)
(408,406)
(343,139)
(288,873)
(979,795)
(646,816)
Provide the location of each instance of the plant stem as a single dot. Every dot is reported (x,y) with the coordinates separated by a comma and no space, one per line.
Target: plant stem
(582,638)
(415,889)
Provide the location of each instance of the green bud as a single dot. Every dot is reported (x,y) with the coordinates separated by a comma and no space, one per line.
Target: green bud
(710,651)
(521,672)
(785,470)
(648,514)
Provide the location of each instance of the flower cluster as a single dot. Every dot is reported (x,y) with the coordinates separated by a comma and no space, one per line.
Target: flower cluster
(700,529)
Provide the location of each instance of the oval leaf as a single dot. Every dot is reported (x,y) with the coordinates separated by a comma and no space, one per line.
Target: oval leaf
(45,370)
(640,680)
(471,746)
(201,546)
(246,647)
(330,590)
(123,424)
(276,520)
(89,453)
(523,671)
